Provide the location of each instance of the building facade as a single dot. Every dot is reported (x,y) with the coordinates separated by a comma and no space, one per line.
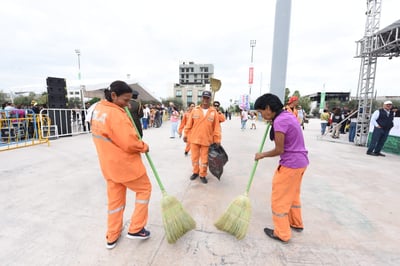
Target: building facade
(193,80)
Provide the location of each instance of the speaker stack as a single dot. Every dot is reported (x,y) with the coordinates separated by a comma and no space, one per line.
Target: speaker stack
(57,92)
(57,99)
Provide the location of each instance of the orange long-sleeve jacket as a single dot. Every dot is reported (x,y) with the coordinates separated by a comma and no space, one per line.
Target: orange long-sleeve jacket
(203,129)
(185,118)
(117,143)
(293,111)
(221,117)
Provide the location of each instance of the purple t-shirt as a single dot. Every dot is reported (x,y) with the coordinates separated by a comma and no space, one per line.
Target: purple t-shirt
(295,153)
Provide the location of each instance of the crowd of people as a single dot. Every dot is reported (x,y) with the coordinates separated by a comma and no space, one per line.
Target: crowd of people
(342,121)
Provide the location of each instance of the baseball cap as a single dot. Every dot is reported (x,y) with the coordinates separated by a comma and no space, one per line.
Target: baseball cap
(388,102)
(293,99)
(206,94)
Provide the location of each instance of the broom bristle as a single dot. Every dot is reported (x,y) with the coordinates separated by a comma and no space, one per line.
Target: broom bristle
(236,218)
(175,219)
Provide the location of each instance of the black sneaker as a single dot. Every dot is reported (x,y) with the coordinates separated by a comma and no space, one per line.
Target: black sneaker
(111,245)
(297,229)
(270,233)
(371,153)
(142,234)
(194,176)
(203,180)
(380,154)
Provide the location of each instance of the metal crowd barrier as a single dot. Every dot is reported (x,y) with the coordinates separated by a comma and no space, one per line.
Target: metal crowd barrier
(20,128)
(24,128)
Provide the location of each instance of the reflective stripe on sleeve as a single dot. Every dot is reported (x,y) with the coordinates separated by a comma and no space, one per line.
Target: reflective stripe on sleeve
(101,138)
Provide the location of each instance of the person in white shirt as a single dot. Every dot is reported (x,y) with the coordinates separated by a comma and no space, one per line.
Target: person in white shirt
(146,116)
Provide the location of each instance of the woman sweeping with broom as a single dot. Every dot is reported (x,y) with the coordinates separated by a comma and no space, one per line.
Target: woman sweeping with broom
(119,150)
(289,145)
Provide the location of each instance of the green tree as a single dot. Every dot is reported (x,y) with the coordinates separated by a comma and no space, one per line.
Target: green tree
(2,97)
(287,92)
(176,101)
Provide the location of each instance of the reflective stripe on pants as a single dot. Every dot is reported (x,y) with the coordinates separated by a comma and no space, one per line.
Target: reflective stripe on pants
(285,200)
(199,159)
(116,193)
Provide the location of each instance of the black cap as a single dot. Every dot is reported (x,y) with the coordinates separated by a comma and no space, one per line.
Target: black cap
(206,94)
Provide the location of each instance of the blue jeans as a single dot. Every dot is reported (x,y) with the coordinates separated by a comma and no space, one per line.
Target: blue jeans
(145,122)
(379,136)
(243,122)
(352,131)
(323,128)
(174,129)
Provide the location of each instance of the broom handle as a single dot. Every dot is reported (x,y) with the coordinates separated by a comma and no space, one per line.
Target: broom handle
(256,161)
(147,154)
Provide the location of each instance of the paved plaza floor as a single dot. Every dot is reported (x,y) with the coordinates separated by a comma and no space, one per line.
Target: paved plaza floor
(54,206)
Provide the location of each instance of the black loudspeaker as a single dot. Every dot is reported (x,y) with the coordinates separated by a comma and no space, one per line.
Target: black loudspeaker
(57,92)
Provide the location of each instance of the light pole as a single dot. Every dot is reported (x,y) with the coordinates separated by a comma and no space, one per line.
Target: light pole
(78,53)
(251,68)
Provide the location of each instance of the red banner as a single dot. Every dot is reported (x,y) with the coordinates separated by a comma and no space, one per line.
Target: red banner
(251,75)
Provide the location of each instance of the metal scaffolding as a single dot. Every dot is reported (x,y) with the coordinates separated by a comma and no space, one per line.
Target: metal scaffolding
(374,44)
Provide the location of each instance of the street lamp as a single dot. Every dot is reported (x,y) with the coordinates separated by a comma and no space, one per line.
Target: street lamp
(78,53)
(251,68)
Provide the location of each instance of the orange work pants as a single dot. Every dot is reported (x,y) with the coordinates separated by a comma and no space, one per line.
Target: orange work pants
(285,200)
(199,159)
(187,148)
(116,193)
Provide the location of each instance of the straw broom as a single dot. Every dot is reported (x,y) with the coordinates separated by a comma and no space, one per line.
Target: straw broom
(176,220)
(236,218)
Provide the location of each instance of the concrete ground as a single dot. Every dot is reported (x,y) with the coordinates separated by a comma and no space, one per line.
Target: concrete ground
(53,205)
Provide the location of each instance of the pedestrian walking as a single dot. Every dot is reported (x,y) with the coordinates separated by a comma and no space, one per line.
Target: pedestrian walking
(202,129)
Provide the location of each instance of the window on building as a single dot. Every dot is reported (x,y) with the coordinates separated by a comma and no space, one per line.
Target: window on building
(77,93)
(178,93)
(189,99)
(189,93)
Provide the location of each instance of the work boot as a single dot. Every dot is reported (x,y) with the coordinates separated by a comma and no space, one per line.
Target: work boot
(194,176)
(203,180)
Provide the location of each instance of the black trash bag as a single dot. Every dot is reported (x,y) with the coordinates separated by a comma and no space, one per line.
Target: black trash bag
(217,158)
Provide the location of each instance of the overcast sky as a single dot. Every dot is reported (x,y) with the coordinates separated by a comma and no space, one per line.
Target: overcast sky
(148,40)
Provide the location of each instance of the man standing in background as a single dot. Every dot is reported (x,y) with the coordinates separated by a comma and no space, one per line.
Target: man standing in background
(382,120)
(136,109)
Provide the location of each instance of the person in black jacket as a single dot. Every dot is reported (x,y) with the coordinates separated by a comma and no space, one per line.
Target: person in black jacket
(382,120)
(136,109)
